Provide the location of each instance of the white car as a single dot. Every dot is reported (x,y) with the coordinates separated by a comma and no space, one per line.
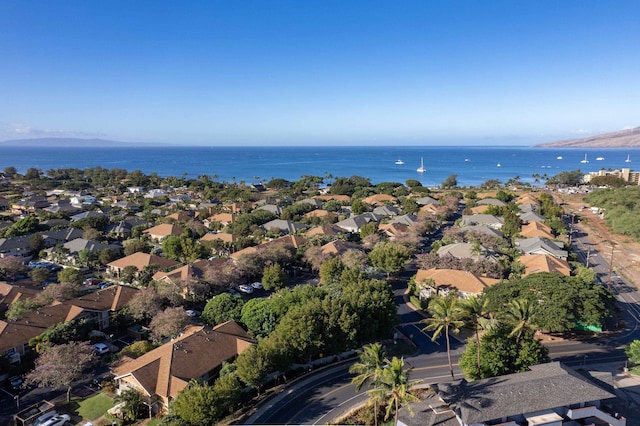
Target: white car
(245,288)
(60,420)
(192,313)
(257,285)
(45,417)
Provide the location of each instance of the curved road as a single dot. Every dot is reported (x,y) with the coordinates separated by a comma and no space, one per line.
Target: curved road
(329,394)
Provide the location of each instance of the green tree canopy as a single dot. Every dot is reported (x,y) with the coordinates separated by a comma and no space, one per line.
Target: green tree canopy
(223,307)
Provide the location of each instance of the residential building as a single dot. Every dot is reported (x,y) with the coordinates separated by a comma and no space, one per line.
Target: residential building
(159,375)
(547,394)
(443,281)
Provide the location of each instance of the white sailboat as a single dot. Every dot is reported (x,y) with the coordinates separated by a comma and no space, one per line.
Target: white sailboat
(399,161)
(559,157)
(421,169)
(600,158)
(585,160)
(628,160)
(498,165)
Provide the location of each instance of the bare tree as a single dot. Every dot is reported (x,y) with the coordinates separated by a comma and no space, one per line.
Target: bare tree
(59,366)
(168,323)
(145,305)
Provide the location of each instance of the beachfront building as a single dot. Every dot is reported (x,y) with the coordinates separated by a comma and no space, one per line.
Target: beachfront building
(627,175)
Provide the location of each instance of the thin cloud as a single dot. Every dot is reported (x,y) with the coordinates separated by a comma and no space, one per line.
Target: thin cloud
(20,130)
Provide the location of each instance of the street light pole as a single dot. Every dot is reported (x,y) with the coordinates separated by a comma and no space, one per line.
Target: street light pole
(588,254)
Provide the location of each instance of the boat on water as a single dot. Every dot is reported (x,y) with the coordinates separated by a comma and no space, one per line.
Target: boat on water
(466,160)
(628,160)
(421,169)
(559,157)
(399,161)
(498,165)
(600,158)
(585,160)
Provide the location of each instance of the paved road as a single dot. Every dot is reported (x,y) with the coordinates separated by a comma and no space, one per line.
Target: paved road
(330,395)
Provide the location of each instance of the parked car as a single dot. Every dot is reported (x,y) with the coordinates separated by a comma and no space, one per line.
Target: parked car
(192,313)
(45,417)
(100,348)
(105,284)
(59,420)
(245,288)
(91,281)
(257,285)
(233,292)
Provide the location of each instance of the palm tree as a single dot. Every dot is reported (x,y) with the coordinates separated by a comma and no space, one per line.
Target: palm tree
(520,314)
(394,387)
(444,317)
(475,313)
(368,370)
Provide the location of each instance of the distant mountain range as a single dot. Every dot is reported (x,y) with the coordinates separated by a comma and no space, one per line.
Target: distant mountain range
(629,138)
(64,142)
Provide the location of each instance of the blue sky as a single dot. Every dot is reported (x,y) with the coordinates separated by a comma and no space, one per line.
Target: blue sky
(319,72)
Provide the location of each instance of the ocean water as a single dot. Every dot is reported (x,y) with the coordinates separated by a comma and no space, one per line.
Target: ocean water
(472,164)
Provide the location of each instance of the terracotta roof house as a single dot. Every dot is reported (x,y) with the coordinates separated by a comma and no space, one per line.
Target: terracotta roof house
(339,247)
(139,260)
(287,240)
(537,245)
(528,198)
(11,293)
(223,218)
(479,209)
(549,394)
(15,335)
(337,197)
(447,280)
(536,229)
(198,354)
(535,263)
(183,216)
(482,219)
(378,199)
(321,214)
(195,270)
(392,230)
(162,231)
(325,230)
(222,236)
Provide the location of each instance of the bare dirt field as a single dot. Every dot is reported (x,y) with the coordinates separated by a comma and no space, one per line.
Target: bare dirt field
(626,255)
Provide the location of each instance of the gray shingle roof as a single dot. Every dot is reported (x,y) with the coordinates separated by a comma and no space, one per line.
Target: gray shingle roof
(545,386)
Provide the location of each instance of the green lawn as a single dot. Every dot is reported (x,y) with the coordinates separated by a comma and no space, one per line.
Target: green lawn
(94,406)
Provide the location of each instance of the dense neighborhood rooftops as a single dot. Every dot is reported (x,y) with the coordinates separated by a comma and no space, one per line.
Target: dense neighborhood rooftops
(140,260)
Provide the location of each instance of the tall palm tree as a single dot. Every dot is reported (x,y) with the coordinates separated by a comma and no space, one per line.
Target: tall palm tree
(394,387)
(520,314)
(444,318)
(368,370)
(476,316)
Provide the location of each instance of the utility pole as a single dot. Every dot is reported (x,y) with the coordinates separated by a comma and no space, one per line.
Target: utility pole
(588,254)
(610,267)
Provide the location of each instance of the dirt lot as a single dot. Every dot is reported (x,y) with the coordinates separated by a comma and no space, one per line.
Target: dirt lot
(626,256)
